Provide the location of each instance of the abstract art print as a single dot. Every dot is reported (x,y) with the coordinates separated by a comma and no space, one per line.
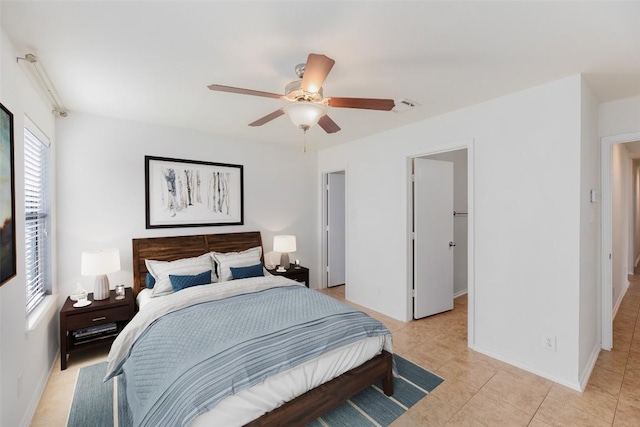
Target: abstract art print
(7,198)
(191,193)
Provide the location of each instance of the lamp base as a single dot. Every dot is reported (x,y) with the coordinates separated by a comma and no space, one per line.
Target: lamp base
(101,288)
(284,260)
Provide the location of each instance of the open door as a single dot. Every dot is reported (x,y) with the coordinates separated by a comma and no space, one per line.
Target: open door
(433,237)
(336,229)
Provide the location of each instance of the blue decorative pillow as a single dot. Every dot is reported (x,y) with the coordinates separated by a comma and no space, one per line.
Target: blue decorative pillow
(182,282)
(245,272)
(150,281)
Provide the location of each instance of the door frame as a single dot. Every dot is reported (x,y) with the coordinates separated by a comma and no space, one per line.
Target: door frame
(606,315)
(324,277)
(467,144)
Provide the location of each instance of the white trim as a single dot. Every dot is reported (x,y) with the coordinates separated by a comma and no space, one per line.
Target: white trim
(606,308)
(619,301)
(35,129)
(467,144)
(586,373)
(43,312)
(459,294)
(36,396)
(324,261)
(572,385)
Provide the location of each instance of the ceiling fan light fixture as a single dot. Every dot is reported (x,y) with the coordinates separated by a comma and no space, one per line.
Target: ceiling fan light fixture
(304,114)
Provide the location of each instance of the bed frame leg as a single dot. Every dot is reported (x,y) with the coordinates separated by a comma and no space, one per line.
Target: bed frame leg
(387,380)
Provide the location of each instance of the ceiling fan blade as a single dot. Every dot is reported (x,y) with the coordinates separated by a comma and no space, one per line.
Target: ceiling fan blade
(328,124)
(268,118)
(243,91)
(315,71)
(363,103)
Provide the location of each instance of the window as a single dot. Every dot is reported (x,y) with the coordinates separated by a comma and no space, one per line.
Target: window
(37,215)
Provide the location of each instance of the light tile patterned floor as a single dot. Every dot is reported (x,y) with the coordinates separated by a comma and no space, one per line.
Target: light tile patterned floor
(478,390)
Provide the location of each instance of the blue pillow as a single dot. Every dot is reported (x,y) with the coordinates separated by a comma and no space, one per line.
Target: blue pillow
(150,281)
(182,282)
(245,272)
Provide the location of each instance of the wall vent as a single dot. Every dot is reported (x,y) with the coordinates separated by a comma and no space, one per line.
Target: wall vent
(403,105)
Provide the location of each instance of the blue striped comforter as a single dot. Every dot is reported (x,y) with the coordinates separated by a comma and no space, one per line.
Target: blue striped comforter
(188,360)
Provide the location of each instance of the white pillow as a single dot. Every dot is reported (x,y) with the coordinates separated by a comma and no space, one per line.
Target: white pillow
(160,271)
(224,261)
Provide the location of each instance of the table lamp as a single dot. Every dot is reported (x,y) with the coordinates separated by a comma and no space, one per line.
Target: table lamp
(99,263)
(284,244)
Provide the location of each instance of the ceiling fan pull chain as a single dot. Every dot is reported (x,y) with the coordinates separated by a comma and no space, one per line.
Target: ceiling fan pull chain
(304,141)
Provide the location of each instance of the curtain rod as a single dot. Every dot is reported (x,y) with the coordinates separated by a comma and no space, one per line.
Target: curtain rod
(45,81)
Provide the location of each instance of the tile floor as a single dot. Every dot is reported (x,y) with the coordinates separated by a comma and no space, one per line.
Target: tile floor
(478,390)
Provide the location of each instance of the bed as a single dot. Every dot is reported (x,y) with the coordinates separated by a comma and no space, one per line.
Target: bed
(350,368)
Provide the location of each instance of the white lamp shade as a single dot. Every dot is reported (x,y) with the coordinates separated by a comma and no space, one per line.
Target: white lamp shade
(95,263)
(304,114)
(284,243)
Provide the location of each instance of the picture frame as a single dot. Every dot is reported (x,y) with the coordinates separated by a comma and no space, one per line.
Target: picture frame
(7,198)
(192,193)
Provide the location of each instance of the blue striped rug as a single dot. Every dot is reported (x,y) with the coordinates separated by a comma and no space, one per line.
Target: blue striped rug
(93,400)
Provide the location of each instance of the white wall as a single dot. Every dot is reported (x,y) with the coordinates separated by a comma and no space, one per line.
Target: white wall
(527,202)
(590,220)
(460,222)
(25,356)
(619,117)
(101,190)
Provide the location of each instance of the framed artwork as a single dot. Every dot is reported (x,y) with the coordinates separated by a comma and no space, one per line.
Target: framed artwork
(191,193)
(7,198)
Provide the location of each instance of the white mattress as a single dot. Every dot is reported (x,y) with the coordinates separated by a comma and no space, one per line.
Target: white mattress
(249,404)
(252,403)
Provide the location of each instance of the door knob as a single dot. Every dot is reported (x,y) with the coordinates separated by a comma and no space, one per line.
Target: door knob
(451,244)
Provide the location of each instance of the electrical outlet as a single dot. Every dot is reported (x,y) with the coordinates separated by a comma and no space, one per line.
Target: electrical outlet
(550,342)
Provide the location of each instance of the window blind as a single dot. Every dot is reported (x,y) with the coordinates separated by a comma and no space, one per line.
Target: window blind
(36,198)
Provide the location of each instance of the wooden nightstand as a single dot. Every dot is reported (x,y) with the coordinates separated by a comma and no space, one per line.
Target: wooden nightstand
(76,324)
(300,274)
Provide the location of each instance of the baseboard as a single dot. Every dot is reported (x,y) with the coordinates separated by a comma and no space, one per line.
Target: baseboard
(619,301)
(459,294)
(572,385)
(35,399)
(586,373)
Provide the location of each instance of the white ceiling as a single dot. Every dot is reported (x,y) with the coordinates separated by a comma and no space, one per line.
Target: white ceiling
(151,61)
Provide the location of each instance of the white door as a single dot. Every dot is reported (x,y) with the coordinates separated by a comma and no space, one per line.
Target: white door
(336,229)
(433,243)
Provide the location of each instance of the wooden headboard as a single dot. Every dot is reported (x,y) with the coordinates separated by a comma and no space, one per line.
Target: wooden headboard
(173,248)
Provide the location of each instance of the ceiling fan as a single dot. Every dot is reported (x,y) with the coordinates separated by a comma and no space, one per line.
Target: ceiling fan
(306,104)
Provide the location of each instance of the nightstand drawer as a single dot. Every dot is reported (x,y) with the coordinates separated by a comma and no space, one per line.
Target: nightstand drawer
(298,277)
(300,274)
(98,317)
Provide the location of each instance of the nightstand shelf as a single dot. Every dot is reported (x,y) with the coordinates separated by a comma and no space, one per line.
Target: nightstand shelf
(103,312)
(300,274)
